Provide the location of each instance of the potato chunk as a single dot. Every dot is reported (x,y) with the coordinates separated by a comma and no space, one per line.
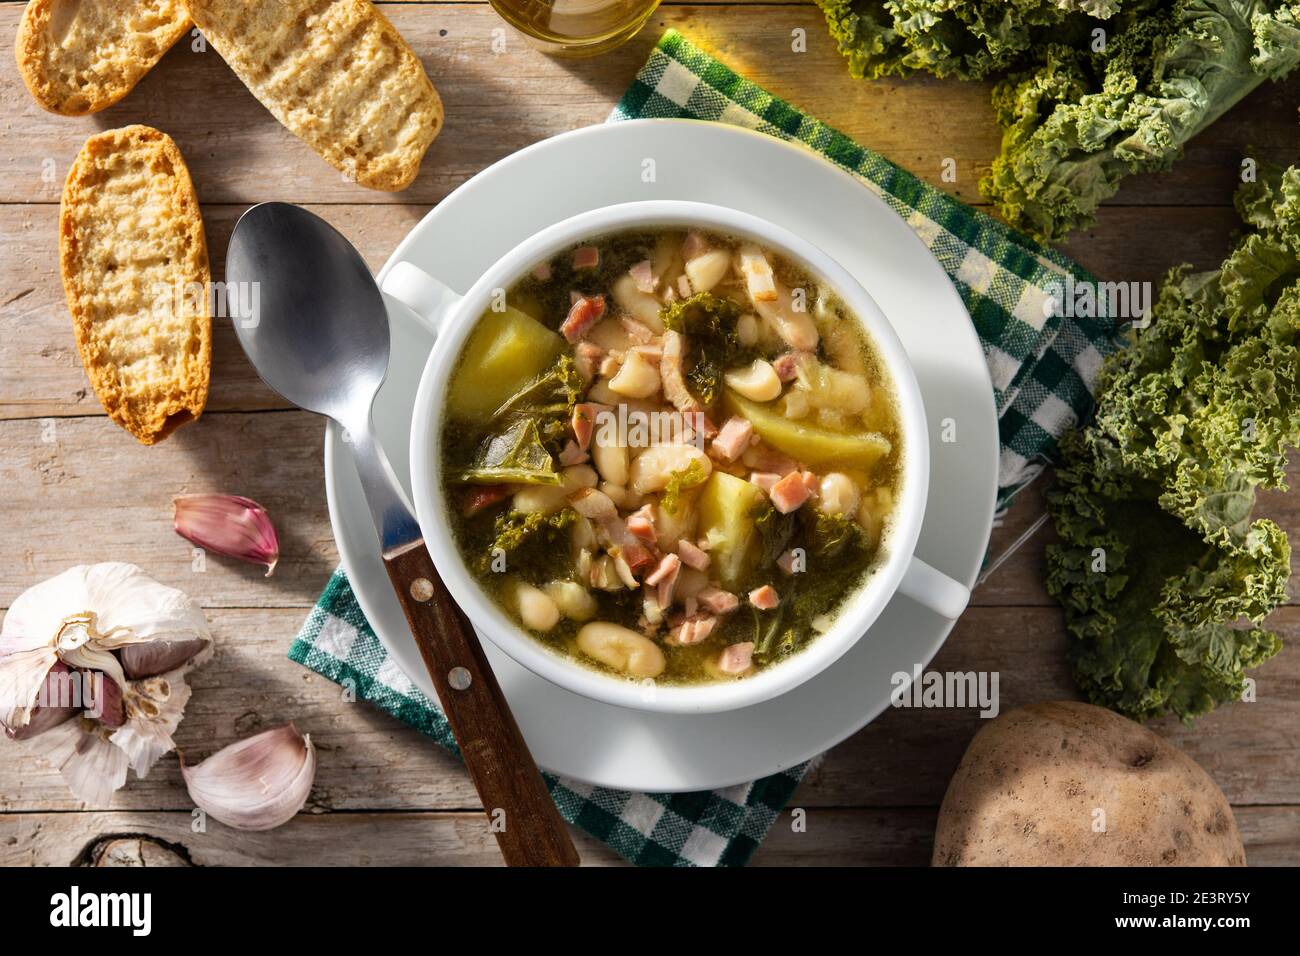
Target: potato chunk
(504,352)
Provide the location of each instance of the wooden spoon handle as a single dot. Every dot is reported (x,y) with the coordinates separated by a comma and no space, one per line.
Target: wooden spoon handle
(523,816)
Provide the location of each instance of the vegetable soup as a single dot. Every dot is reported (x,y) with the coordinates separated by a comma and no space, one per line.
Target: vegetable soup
(670,455)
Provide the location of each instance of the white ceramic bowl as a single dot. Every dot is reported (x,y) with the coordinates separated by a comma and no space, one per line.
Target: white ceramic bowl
(897,568)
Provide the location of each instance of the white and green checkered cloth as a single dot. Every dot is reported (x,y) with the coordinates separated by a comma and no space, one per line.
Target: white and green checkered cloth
(1042,367)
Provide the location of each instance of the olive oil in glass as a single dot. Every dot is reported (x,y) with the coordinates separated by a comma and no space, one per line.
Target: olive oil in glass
(576,27)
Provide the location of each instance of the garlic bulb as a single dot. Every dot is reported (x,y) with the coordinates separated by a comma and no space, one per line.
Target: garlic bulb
(257,783)
(85,644)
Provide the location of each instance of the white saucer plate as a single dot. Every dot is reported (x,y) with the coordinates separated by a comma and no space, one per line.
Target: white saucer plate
(597,166)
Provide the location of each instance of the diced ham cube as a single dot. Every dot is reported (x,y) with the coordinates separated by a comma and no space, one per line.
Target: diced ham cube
(668,566)
(693,629)
(692,556)
(786,562)
(637,332)
(572,454)
(736,658)
(483,496)
(542,272)
(586,358)
(584,423)
(664,578)
(586,257)
(718,601)
(733,438)
(637,555)
(643,275)
(764,479)
(585,313)
(793,490)
(641,524)
(764,598)
(760,457)
(695,245)
(787,366)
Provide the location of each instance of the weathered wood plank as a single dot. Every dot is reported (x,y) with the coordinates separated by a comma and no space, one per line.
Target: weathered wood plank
(82,490)
(41,374)
(239,153)
(369,761)
(833,837)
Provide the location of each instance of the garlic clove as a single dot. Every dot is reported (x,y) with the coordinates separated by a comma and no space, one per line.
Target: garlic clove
(255,784)
(53,705)
(158,657)
(105,702)
(232,525)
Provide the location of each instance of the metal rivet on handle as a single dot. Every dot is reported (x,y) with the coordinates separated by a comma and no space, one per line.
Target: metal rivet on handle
(459,678)
(422,589)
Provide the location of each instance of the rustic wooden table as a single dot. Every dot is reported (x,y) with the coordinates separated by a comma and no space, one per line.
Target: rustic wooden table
(78,489)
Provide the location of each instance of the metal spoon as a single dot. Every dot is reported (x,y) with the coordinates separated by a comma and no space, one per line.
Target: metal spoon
(320,337)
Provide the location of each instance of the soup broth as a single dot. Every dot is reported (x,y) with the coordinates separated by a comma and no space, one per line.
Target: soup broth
(670,455)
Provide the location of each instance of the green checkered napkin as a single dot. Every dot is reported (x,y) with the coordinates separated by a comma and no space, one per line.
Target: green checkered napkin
(1042,368)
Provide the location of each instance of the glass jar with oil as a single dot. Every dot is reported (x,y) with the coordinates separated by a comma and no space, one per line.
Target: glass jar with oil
(576,27)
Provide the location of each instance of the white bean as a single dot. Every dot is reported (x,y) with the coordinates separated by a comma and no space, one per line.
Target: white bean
(654,467)
(707,270)
(621,496)
(593,504)
(578,476)
(758,382)
(642,306)
(637,378)
(536,609)
(539,498)
(839,495)
(621,649)
(574,601)
(747,329)
(610,461)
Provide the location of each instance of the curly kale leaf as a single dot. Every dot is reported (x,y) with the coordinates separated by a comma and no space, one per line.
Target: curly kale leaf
(679,482)
(1163,570)
(1084,116)
(708,323)
(527,540)
(1089,91)
(963,39)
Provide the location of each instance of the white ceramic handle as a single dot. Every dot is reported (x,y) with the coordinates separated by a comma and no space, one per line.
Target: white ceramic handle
(934,589)
(420,292)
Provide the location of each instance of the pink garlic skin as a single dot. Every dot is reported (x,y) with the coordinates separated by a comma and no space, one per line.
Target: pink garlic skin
(232,525)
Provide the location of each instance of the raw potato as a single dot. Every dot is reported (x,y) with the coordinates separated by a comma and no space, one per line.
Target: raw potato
(1032,783)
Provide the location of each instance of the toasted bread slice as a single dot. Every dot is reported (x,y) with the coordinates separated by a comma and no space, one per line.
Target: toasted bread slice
(336,74)
(135,274)
(81,56)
